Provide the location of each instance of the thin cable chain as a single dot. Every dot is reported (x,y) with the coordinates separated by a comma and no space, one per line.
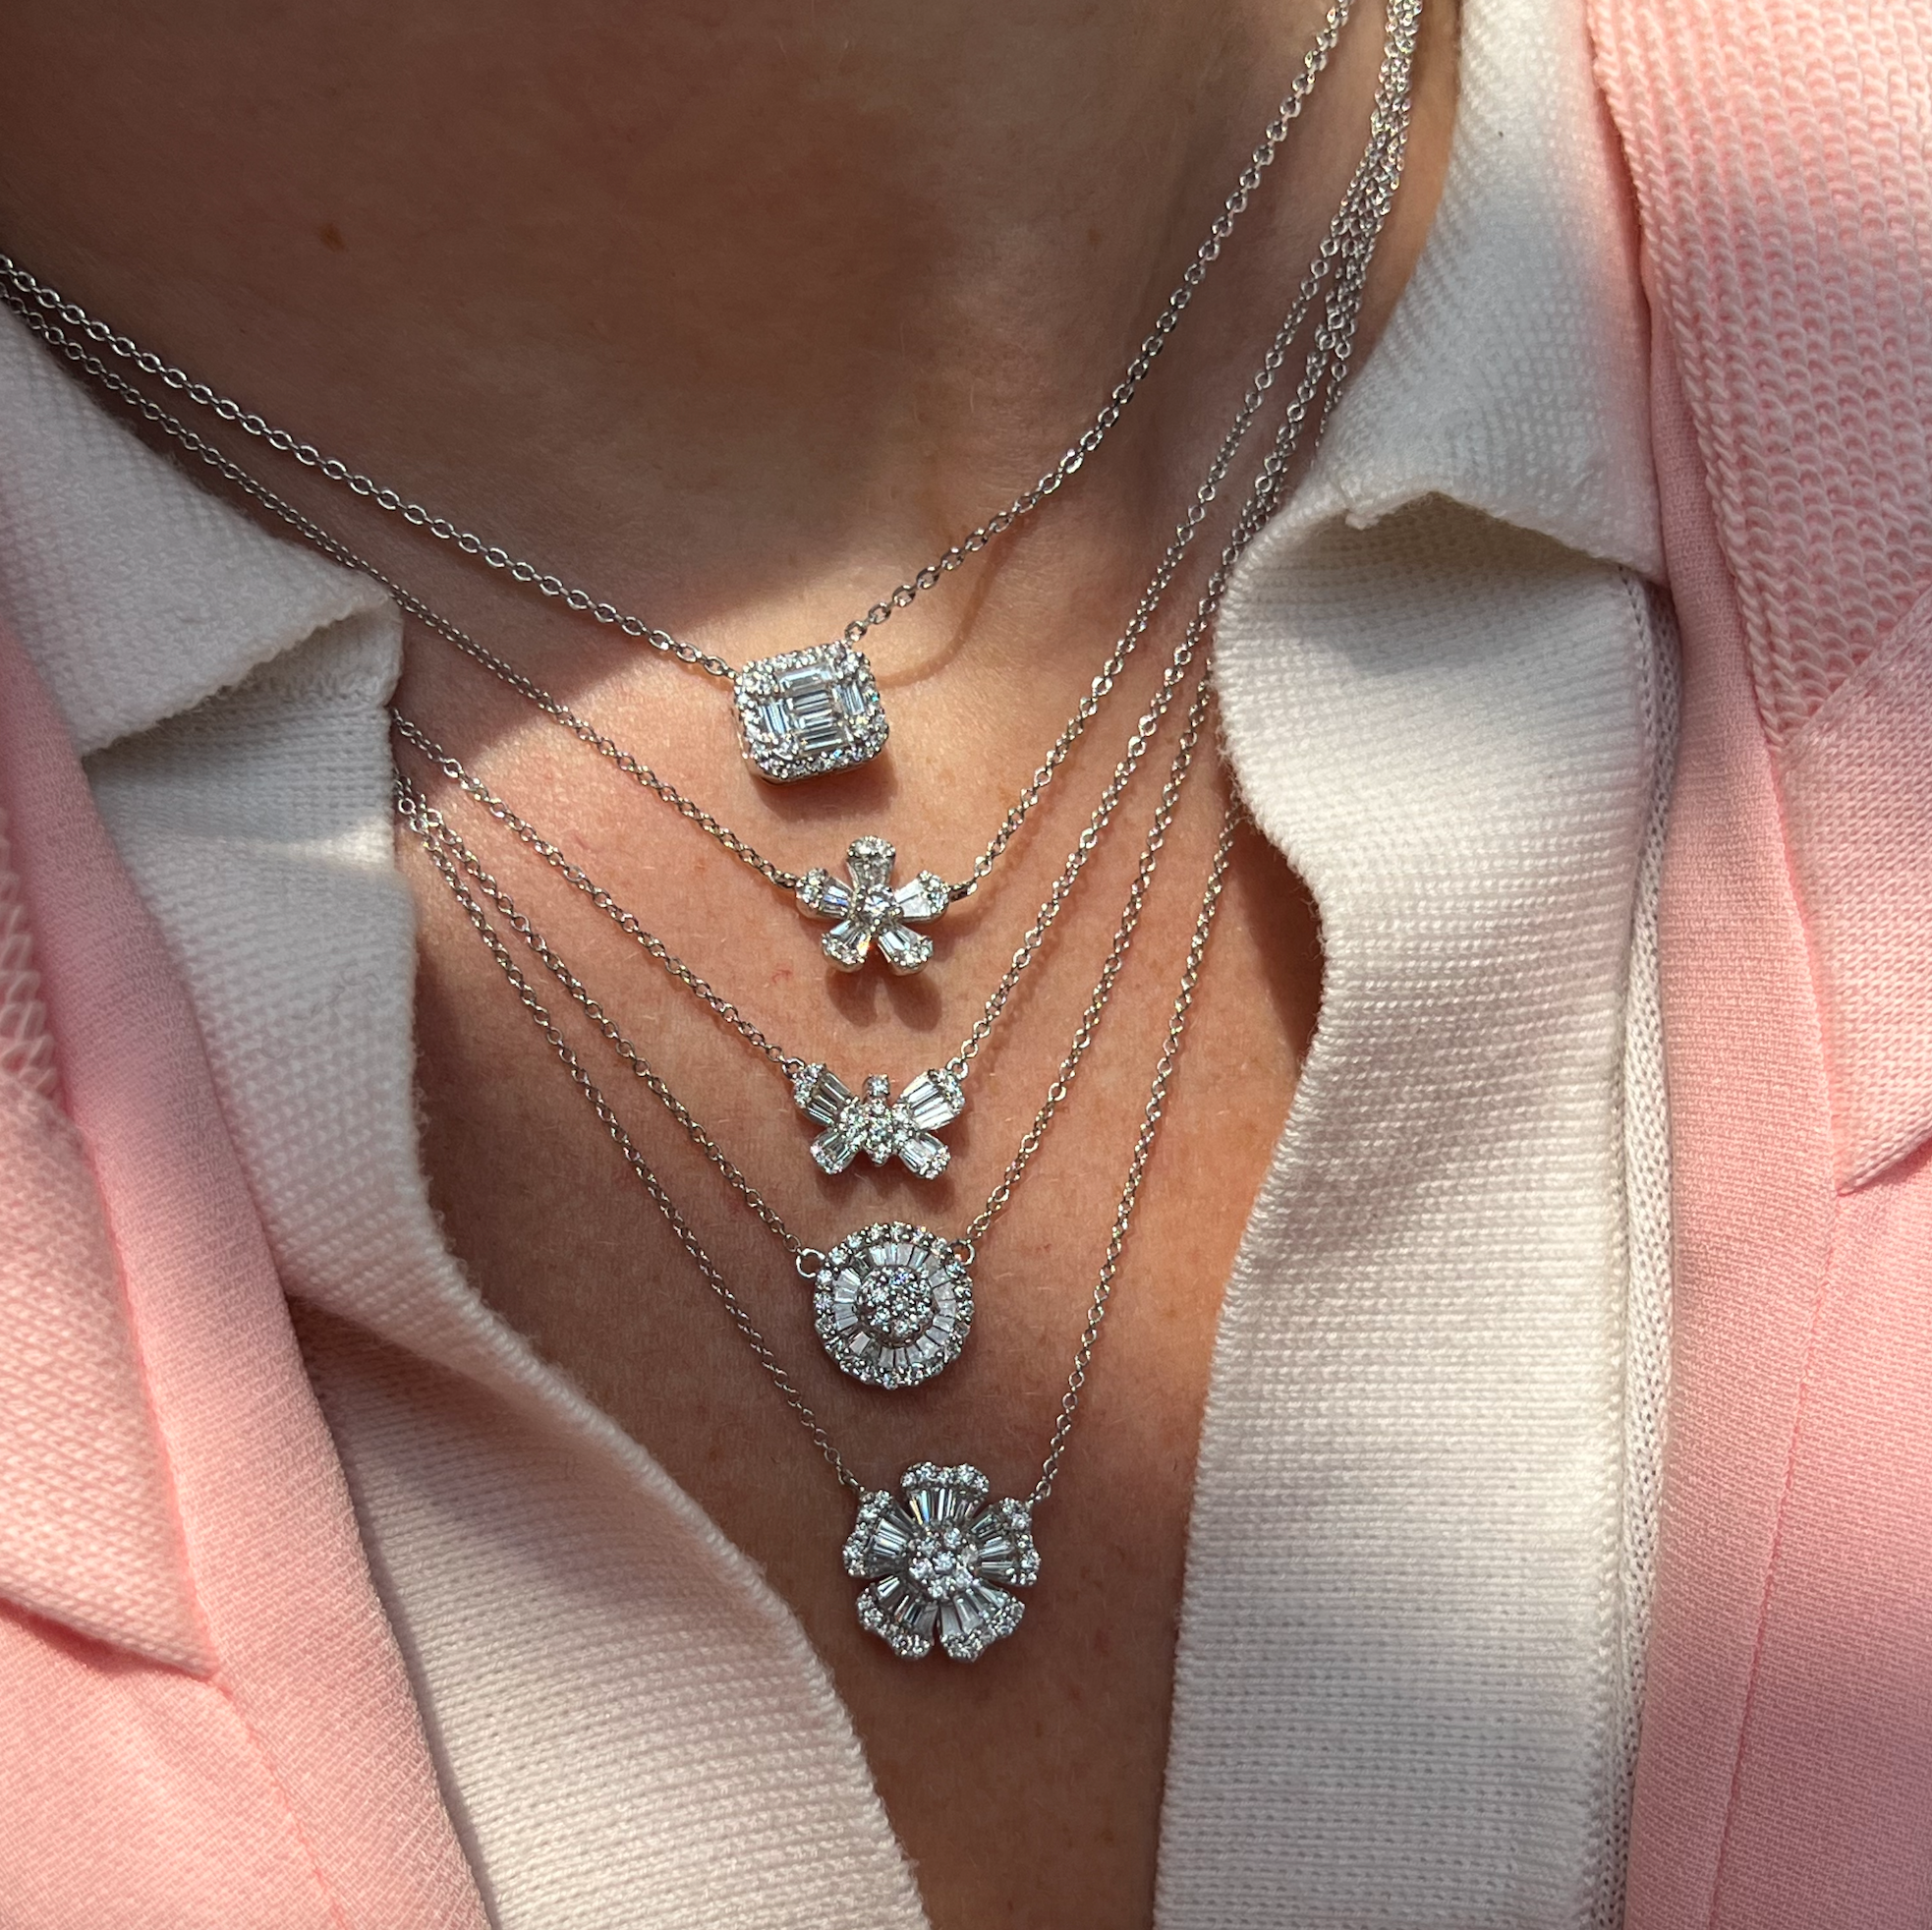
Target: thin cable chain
(586,732)
(1333,345)
(419,818)
(431,830)
(1324,368)
(1334,341)
(567,868)
(1089,1020)
(1150,1116)
(452,844)
(790,1063)
(30,291)
(1390,136)
(1205,496)
(337,551)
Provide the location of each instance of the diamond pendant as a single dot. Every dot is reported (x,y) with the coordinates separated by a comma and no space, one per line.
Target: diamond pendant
(809,712)
(892,1304)
(875,1123)
(871,911)
(940,1562)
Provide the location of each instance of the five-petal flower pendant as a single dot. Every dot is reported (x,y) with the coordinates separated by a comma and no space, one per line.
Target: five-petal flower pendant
(877,1124)
(940,1562)
(871,911)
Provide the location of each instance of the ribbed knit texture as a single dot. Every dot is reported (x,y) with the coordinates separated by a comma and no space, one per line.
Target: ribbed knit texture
(1419,1576)
(1813,403)
(27,1046)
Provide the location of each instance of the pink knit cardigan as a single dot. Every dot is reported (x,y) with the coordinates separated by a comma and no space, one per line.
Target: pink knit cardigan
(192,1655)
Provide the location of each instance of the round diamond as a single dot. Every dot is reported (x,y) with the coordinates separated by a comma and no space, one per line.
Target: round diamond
(895,1305)
(943,1561)
(892,1304)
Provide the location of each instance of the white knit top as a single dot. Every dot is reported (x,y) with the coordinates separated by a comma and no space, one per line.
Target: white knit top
(1409,1658)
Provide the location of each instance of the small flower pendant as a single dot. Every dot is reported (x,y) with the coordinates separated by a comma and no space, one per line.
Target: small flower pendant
(873,911)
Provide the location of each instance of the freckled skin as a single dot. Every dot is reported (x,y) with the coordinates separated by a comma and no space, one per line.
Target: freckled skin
(716,310)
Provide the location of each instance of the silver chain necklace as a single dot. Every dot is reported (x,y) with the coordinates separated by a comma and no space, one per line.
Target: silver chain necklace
(803,712)
(865,911)
(893,1302)
(870,1120)
(940,1559)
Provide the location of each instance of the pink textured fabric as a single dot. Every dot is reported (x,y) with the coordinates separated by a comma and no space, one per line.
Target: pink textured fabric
(207,1720)
(1784,171)
(1781,151)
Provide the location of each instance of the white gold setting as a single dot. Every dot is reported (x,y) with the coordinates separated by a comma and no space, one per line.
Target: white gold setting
(940,1562)
(809,712)
(873,911)
(877,1124)
(892,1304)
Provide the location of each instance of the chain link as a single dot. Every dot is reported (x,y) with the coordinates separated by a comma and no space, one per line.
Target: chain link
(1150,1116)
(559,861)
(425,822)
(27,292)
(443,837)
(1387,145)
(1090,1019)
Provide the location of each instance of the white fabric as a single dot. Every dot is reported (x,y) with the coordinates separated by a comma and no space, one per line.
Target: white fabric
(1408,1659)
(1406,1667)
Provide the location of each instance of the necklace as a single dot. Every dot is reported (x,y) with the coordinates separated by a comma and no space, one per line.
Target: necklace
(866,912)
(893,1302)
(803,712)
(875,1123)
(940,1558)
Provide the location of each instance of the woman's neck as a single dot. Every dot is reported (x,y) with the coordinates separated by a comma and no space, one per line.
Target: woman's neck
(714,307)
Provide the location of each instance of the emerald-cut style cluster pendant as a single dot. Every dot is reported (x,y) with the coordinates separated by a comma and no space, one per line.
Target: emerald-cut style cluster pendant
(809,713)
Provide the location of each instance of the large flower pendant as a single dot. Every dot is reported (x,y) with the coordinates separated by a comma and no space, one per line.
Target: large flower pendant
(940,1562)
(892,1304)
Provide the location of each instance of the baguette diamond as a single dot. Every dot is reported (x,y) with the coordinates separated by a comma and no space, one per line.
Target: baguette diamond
(810,712)
(940,1562)
(877,1124)
(892,1304)
(872,910)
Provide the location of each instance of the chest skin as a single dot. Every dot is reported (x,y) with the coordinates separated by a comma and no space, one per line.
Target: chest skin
(1025,1786)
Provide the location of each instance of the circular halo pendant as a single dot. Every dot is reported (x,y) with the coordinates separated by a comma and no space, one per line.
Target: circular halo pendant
(892,1304)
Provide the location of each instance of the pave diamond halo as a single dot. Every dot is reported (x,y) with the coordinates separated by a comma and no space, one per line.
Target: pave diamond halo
(940,1562)
(809,712)
(892,1304)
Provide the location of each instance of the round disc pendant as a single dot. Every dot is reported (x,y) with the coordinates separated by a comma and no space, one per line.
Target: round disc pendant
(892,1304)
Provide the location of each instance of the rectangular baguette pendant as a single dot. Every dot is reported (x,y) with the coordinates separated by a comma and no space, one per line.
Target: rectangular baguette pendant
(809,712)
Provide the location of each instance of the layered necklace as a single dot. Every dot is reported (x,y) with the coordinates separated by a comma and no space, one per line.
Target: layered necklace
(940,1561)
